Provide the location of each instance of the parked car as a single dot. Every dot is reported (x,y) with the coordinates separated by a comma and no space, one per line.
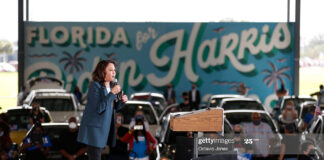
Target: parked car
(19,121)
(62,105)
(53,130)
(298,100)
(242,117)
(241,103)
(129,109)
(157,100)
(167,145)
(315,134)
(169,109)
(216,99)
(43,83)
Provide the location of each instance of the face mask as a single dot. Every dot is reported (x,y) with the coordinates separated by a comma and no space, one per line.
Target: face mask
(312,152)
(1,133)
(237,132)
(35,109)
(72,125)
(289,107)
(118,120)
(256,122)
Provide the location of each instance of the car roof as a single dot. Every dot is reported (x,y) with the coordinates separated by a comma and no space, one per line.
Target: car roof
(225,95)
(49,90)
(138,102)
(246,111)
(56,94)
(23,107)
(299,96)
(240,99)
(147,93)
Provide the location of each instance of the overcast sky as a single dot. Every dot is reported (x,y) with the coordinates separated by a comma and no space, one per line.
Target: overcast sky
(312,23)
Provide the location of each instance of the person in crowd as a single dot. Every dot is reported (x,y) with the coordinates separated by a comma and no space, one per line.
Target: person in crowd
(241,89)
(308,117)
(307,151)
(37,144)
(139,113)
(280,94)
(289,115)
(69,147)
(141,142)
(170,94)
(262,131)
(290,143)
(36,114)
(185,105)
(320,95)
(119,152)
(194,97)
(190,134)
(104,98)
(5,141)
(78,94)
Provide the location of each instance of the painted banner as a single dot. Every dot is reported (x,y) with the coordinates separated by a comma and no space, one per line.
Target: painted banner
(218,57)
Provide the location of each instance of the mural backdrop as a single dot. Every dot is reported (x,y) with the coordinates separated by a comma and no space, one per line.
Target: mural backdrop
(218,57)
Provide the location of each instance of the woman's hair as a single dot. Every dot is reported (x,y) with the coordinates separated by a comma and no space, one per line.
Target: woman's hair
(100,71)
(34,105)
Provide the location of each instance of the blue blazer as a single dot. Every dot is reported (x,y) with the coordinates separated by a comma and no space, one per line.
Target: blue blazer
(98,121)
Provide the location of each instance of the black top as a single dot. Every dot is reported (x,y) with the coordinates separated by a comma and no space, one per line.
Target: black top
(37,117)
(68,142)
(292,143)
(120,148)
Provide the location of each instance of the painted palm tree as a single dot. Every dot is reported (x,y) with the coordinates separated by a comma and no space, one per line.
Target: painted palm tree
(275,75)
(73,62)
(111,56)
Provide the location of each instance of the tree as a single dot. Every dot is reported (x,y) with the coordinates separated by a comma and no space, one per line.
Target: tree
(6,47)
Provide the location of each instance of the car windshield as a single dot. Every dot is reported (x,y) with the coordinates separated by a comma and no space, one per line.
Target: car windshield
(216,101)
(153,100)
(246,117)
(19,119)
(128,111)
(242,105)
(297,101)
(55,104)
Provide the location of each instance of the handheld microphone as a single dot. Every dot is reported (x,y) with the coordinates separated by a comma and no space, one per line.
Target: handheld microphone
(114,83)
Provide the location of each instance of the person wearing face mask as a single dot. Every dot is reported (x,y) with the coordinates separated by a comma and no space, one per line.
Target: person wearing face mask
(36,115)
(37,144)
(290,143)
(104,99)
(261,131)
(141,142)
(170,94)
(139,113)
(289,115)
(119,152)
(69,147)
(5,141)
(243,149)
(307,151)
(194,97)
(185,105)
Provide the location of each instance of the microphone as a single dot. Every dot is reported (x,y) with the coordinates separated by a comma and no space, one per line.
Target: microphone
(114,83)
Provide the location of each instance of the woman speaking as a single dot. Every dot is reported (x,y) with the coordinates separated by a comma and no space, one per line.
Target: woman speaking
(97,126)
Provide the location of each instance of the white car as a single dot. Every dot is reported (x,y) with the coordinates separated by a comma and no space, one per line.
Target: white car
(129,109)
(216,99)
(157,100)
(61,105)
(242,103)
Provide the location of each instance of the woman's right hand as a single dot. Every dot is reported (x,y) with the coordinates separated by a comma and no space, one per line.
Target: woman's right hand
(116,89)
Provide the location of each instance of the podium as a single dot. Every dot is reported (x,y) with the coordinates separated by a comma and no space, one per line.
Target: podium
(207,120)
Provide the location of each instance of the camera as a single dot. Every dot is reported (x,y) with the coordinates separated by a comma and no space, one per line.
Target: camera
(138,127)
